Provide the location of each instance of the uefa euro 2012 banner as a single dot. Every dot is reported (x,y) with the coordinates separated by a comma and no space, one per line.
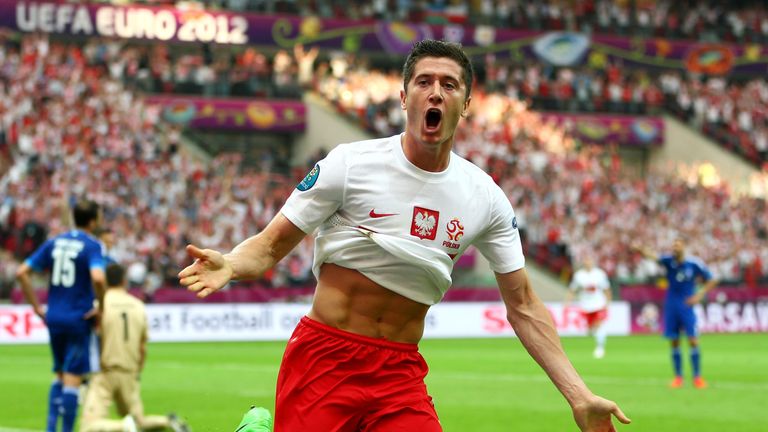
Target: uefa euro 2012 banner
(275,321)
(194,24)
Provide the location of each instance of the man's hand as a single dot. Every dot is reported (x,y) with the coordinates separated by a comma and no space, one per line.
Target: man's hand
(644,251)
(91,313)
(594,415)
(94,313)
(40,312)
(207,274)
(695,299)
(639,248)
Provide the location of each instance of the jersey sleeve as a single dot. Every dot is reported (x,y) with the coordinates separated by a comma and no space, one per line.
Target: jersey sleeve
(702,270)
(605,283)
(665,261)
(320,193)
(95,257)
(500,243)
(41,259)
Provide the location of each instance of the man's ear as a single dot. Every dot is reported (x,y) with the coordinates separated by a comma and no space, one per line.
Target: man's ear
(403,99)
(465,109)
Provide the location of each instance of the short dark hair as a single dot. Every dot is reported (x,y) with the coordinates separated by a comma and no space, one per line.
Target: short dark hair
(438,48)
(84,212)
(115,275)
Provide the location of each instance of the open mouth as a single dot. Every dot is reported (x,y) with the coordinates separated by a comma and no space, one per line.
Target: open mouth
(433,118)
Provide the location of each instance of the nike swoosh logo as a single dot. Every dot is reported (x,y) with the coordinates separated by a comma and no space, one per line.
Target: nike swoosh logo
(375,215)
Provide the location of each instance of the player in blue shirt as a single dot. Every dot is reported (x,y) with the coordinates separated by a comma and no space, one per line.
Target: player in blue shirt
(683,272)
(76,277)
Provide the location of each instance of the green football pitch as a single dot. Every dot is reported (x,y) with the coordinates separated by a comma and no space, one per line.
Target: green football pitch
(481,385)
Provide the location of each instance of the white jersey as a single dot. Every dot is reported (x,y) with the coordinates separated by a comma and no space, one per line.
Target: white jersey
(401,226)
(591,285)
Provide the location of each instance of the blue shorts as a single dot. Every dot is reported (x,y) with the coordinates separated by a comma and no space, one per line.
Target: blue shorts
(76,353)
(679,317)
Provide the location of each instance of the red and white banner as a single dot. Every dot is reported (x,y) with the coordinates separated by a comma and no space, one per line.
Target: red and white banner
(275,321)
(451,320)
(19,324)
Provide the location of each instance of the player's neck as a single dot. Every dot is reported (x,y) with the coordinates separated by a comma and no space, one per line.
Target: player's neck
(90,229)
(429,157)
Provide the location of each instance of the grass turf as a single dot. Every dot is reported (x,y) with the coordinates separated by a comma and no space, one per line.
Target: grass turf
(482,385)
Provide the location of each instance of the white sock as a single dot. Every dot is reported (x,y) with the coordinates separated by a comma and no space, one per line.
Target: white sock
(600,336)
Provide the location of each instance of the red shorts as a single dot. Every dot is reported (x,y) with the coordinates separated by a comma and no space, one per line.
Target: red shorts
(596,317)
(331,380)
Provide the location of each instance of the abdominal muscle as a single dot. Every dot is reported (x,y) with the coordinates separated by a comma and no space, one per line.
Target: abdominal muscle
(347,300)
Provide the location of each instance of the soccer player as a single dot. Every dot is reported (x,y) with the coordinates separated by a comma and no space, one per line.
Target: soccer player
(394,214)
(683,272)
(590,284)
(123,334)
(76,279)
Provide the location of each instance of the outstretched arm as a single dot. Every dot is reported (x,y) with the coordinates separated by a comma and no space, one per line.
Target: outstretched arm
(211,270)
(645,251)
(533,325)
(22,275)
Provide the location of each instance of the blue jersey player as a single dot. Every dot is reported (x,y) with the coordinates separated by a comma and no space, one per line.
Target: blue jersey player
(75,265)
(683,273)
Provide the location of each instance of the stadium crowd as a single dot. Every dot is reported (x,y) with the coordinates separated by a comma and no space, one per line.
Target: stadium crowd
(201,70)
(731,112)
(711,21)
(576,200)
(714,104)
(577,194)
(735,114)
(744,21)
(70,127)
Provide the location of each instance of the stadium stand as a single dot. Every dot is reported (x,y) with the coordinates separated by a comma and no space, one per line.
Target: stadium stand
(570,196)
(733,113)
(716,107)
(67,138)
(657,128)
(577,194)
(741,21)
(205,71)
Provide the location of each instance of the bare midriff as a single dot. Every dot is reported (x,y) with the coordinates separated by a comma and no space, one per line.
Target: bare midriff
(349,301)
